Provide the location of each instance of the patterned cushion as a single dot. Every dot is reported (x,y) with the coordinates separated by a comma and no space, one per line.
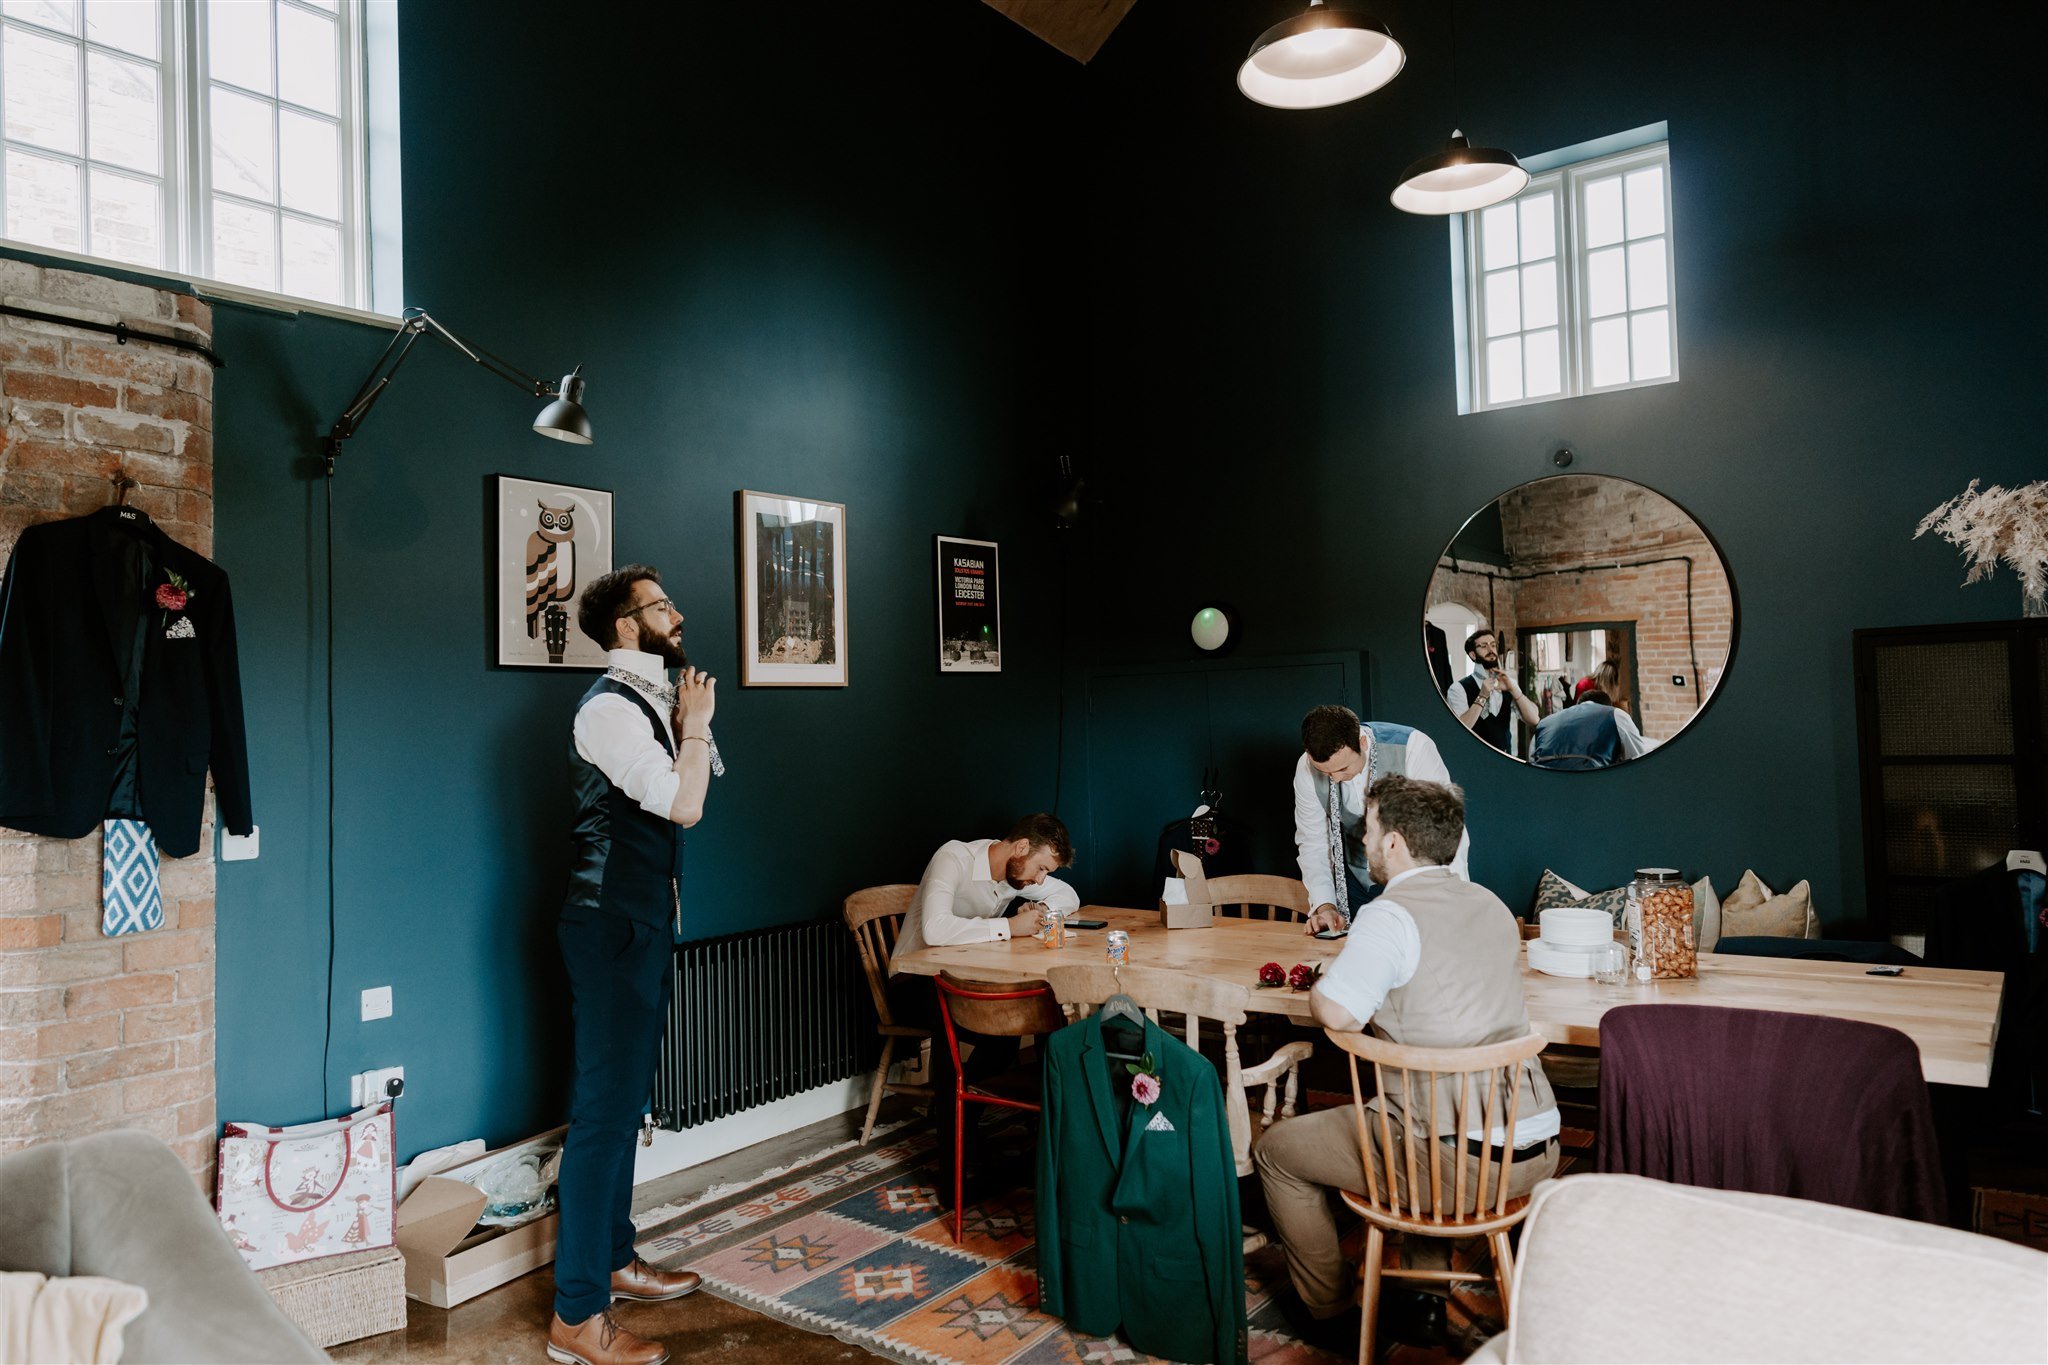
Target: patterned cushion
(1553,891)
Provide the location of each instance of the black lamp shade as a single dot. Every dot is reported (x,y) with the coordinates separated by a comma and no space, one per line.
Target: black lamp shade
(1320,58)
(564,419)
(1459,179)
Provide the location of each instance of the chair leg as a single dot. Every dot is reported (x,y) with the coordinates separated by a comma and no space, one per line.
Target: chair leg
(959,1162)
(1503,1273)
(867,1130)
(1369,1291)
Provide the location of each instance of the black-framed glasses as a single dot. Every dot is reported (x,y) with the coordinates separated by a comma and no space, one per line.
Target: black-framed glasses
(644,606)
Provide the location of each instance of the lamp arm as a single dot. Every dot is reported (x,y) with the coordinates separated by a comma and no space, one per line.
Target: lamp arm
(503,369)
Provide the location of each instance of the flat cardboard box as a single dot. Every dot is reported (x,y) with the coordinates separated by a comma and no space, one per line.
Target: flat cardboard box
(1198,913)
(444,1263)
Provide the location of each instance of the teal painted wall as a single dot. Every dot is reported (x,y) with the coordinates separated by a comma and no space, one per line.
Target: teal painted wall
(778,275)
(1859,337)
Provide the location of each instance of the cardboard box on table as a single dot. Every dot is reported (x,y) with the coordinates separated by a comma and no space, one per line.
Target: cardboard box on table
(444,1263)
(1198,913)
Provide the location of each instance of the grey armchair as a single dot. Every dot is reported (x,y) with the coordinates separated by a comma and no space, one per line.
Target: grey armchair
(121,1205)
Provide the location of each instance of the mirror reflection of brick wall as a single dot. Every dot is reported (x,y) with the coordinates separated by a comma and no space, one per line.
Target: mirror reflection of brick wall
(97,1032)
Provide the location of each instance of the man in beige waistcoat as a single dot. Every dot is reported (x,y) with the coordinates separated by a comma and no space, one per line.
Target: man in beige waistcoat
(1435,961)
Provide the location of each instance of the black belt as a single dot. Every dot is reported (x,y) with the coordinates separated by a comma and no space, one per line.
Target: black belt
(1478,1148)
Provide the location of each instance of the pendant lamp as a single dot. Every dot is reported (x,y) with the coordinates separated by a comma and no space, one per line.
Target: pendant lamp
(1319,58)
(1459,179)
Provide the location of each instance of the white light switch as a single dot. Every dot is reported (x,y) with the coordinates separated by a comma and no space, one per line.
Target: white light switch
(235,848)
(376,1003)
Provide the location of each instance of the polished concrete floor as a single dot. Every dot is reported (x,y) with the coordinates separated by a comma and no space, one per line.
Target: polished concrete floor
(510,1323)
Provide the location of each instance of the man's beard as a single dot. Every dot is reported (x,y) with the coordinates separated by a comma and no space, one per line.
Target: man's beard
(669,649)
(1374,868)
(1013,873)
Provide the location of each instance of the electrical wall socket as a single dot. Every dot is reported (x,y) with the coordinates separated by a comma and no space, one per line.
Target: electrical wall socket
(376,1003)
(367,1087)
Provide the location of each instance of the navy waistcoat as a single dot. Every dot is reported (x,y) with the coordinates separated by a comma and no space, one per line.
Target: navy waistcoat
(623,860)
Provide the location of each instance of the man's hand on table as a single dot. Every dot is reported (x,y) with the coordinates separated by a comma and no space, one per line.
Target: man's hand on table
(1323,918)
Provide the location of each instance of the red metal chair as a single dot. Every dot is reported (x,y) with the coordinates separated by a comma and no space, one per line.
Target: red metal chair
(993,1011)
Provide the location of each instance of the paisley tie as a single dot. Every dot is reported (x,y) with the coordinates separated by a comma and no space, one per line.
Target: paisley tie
(1337,868)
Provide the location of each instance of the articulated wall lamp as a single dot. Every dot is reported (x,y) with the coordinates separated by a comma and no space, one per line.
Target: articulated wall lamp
(563,419)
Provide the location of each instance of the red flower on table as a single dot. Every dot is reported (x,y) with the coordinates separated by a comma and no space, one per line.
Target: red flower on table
(170,597)
(1272,975)
(1302,977)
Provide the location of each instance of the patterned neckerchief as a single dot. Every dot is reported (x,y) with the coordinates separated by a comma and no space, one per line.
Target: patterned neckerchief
(664,695)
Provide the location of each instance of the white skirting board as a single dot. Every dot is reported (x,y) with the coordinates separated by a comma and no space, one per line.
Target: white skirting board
(671,1152)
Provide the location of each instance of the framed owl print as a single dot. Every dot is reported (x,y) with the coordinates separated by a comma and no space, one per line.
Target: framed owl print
(792,576)
(552,540)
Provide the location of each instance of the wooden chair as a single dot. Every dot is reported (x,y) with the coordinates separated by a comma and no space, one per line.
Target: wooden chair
(1083,985)
(876,917)
(1274,897)
(1481,1073)
(993,1010)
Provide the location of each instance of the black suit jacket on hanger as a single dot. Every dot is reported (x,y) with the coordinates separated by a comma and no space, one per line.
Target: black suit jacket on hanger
(68,624)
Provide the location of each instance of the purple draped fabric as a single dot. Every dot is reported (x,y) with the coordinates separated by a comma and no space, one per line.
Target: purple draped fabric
(1802,1105)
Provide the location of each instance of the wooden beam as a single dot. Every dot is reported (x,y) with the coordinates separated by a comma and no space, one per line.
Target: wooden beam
(1076,27)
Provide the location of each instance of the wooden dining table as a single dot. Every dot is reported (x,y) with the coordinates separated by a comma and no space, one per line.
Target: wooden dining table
(1951,1016)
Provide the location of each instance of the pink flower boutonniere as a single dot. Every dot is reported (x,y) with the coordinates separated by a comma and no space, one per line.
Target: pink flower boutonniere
(1144,1079)
(173,595)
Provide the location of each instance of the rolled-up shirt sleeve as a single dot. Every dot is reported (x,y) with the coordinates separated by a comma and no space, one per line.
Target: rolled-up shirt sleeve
(612,734)
(1382,952)
(1053,892)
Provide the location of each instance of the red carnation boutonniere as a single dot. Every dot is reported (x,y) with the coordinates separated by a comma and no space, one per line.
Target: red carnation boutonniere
(173,595)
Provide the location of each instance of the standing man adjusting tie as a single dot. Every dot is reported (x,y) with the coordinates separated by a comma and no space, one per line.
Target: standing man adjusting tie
(1340,759)
(1478,696)
(640,762)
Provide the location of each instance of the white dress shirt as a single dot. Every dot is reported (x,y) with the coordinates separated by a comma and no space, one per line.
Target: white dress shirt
(1312,822)
(959,902)
(1382,953)
(1633,745)
(1490,704)
(612,735)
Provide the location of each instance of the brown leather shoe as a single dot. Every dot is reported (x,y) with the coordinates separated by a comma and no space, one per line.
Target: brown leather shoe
(599,1340)
(642,1283)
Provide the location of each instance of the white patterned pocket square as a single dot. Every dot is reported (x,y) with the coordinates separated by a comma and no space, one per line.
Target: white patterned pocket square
(180,629)
(1159,1124)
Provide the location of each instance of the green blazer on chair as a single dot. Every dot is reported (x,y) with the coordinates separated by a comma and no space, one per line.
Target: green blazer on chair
(1138,1218)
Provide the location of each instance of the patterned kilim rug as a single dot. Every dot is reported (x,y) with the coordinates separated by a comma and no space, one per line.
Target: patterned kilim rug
(859,1245)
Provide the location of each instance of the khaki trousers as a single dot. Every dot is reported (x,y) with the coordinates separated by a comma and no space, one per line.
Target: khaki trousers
(1301,1160)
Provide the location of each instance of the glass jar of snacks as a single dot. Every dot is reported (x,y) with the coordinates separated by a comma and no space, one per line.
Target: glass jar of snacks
(1660,934)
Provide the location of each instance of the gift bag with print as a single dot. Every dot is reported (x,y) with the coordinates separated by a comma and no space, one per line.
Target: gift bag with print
(318,1189)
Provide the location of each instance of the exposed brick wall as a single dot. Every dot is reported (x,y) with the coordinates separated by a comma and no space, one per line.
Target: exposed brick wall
(100,1033)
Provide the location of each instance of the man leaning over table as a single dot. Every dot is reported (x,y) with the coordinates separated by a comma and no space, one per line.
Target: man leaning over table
(1341,757)
(1435,961)
(968,891)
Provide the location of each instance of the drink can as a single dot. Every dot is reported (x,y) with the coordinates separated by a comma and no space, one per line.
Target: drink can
(1055,927)
(1119,948)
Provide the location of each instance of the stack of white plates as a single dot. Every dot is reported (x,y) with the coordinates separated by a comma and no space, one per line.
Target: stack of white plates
(1569,939)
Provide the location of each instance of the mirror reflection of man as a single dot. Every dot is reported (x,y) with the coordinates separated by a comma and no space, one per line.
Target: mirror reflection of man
(1590,733)
(1341,757)
(1488,699)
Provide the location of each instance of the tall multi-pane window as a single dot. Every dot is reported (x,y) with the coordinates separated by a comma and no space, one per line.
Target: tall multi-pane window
(222,139)
(1569,285)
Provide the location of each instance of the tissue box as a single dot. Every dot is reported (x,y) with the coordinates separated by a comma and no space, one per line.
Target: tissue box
(1197,912)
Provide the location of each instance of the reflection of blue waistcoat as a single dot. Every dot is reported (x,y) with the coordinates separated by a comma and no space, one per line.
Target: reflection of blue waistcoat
(623,859)
(1577,738)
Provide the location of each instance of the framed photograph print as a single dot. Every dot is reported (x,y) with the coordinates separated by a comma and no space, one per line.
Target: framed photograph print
(792,591)
(552,540)
(970,606)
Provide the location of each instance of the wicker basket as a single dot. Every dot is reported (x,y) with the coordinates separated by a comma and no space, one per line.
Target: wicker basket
(342,1298)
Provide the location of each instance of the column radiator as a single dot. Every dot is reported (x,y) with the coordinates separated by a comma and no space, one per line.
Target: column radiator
(759,1016)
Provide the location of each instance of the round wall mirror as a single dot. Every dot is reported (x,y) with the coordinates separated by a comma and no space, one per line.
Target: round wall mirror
(1578,622)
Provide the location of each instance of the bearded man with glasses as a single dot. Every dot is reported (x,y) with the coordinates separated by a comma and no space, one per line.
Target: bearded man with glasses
(641,761)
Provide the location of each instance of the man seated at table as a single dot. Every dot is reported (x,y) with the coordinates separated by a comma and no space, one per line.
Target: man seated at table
(1435,961)
(970,886)
(1341,757)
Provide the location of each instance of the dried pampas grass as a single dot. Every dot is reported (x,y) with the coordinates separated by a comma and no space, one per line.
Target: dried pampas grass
(1995,525)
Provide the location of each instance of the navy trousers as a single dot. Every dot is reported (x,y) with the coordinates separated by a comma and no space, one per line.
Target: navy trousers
(620,979)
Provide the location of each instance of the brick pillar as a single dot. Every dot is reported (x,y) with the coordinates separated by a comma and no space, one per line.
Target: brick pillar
(99,1033)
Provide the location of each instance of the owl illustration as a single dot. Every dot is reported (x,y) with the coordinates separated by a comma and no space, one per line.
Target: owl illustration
(550,566)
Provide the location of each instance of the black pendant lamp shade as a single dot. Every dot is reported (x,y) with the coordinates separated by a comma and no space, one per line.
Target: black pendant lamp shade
(1459,179)
(564,419)
(1319,58)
